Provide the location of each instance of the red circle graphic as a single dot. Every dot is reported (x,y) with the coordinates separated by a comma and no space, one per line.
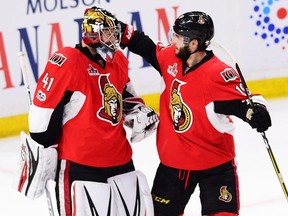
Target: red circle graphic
(282,13)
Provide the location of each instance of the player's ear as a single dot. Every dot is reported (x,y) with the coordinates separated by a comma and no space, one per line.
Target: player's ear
(193,45)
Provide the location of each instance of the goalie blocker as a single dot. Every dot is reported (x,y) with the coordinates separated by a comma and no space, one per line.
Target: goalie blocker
(36,165)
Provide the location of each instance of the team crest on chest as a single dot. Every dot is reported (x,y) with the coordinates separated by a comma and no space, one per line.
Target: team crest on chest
(180,112)
(172,70)
(111,100)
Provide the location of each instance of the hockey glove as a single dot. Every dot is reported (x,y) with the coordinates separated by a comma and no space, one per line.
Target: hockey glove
(259,117)
(127,32)
(36,166)
(143,122)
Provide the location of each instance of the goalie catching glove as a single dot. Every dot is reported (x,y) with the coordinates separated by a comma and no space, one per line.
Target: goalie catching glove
(143,122)
(35,167)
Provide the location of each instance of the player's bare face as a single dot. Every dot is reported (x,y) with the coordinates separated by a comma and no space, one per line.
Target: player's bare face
(178,42)
(110,36)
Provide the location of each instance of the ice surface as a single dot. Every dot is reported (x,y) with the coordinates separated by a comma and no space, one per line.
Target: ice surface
(261,192)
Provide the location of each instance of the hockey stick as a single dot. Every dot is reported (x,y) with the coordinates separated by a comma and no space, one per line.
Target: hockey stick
(21,56)
(250,101)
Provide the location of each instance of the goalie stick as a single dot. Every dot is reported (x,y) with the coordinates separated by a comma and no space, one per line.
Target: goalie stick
(21,56)
(250,101)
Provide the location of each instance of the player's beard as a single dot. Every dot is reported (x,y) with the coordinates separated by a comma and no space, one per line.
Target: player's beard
(184,53)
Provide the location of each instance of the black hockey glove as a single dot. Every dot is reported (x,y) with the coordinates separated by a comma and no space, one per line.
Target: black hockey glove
(259,118)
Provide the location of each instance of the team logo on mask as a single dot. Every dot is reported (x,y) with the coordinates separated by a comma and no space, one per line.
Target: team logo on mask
(225,195)
(180,113)
(112,102)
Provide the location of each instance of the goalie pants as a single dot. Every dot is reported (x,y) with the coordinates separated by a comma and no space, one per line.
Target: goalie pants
(68,171)
(219,190)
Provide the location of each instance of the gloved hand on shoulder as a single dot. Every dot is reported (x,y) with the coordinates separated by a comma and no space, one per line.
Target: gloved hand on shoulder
(143,121)
(127,32)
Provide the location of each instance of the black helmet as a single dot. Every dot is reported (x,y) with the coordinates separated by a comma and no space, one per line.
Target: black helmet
(195,25)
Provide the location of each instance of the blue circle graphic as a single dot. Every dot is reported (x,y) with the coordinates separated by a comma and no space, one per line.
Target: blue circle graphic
(267,27)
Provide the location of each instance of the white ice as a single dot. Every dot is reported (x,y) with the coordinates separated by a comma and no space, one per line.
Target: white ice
(261,192)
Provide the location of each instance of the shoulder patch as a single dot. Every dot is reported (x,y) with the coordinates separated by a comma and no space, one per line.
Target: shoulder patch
(58,59)
(229,74)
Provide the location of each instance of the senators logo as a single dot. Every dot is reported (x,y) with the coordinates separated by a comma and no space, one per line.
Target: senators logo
(112,102)
(180,113)
(229,74)
(58,59)
(201,20)
(225,195)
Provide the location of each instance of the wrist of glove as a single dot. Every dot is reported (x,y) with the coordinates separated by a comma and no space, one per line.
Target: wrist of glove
(127,32)
(258,117)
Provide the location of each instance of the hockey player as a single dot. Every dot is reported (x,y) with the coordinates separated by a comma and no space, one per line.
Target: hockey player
(79,105)
(200,94)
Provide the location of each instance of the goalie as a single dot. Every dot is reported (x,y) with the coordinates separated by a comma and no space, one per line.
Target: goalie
(81,102)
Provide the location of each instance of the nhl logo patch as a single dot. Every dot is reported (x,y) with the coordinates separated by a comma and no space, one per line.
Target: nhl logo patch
(41,96)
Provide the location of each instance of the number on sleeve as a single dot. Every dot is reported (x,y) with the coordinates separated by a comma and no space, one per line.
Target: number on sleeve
(48,81)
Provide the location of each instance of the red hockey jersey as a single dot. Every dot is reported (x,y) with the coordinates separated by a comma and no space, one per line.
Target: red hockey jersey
(92,131)
(190,134)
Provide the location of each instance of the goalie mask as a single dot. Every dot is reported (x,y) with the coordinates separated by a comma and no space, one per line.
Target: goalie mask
(100,28)
(194,25)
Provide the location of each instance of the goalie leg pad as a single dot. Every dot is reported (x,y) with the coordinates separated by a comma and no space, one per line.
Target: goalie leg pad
(36,166)
(92,198)
(132,194)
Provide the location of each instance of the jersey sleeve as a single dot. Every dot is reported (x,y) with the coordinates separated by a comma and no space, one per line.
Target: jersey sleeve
(225,85)
(144,46)
(130,98)
(57,78)
(55,83)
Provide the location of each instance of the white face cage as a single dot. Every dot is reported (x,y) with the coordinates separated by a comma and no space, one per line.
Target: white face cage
(108,36)
(171,35)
